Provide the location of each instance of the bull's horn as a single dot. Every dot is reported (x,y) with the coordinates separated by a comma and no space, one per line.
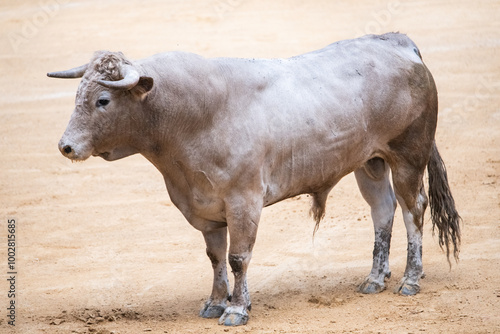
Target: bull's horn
(130,79)
(76,72)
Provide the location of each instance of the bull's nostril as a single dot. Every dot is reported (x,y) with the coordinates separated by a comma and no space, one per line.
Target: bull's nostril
(67,149)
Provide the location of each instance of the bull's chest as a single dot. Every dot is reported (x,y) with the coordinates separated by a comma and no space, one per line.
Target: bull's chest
(195,194)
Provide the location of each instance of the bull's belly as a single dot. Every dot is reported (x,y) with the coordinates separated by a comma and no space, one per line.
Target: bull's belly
(308,175)
(277,191)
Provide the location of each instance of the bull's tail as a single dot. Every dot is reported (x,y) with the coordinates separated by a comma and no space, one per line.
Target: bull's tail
(443,212)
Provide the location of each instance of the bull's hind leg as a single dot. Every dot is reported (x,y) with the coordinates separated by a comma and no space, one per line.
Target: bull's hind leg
(410,192)
(216,241)
(374,184)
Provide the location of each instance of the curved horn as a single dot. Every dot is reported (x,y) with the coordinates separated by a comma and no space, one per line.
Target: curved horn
(130,79)
(73,73)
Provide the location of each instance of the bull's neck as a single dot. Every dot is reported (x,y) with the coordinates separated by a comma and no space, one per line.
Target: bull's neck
(181,105)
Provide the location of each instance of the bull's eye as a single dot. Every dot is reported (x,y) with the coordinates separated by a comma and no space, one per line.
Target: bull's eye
(102,102)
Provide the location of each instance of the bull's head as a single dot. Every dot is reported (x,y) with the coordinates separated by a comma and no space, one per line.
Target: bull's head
(108,108)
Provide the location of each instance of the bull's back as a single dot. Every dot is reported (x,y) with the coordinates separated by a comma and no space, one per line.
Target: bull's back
(344,86)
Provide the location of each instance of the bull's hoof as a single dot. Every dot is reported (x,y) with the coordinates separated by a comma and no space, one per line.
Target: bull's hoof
(407,289)
(234,316)
(371,287)
(211,310)
(214,311)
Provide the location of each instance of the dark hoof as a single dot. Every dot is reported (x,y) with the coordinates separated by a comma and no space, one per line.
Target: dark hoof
(370,287)
(407,289)
(212,311)
(234,316)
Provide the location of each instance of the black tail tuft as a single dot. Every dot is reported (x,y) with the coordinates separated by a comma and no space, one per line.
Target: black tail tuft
(318,207)
(444,214)
(317,212)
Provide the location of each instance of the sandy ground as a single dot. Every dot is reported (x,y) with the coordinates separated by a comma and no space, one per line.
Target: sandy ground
(100,247)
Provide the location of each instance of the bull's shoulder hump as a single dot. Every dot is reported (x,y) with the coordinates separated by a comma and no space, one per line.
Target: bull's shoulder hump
(179,63)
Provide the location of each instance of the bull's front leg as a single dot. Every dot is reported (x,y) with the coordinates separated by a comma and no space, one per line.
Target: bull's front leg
(242,226)
(216,241)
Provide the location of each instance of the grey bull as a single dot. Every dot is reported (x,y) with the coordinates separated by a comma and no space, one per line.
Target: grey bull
(231,136)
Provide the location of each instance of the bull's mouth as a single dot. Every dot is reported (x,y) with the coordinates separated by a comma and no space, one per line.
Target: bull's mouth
(104,155)
(115,154)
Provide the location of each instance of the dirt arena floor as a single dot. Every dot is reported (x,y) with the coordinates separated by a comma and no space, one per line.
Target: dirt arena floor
(101,249)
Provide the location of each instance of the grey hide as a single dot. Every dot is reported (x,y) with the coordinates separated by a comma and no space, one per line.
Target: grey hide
(231,136)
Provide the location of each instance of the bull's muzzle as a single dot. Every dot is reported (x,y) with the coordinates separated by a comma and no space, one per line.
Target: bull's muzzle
(73,152)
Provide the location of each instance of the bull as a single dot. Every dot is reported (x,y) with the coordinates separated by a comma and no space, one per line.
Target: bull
(231,136)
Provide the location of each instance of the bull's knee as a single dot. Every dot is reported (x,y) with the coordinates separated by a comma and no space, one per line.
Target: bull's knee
(213,258)
(238,263)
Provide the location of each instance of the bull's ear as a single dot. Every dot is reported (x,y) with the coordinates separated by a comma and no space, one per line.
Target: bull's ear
(142,88)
